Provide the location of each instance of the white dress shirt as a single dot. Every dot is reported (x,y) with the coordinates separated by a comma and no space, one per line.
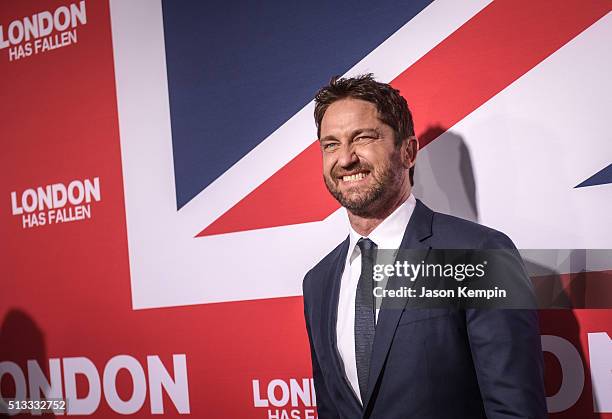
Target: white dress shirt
(387,235)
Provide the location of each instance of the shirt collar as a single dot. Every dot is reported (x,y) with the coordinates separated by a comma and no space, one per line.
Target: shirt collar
(389,233)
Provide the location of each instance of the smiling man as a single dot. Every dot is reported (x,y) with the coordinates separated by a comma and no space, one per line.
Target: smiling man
(425,363)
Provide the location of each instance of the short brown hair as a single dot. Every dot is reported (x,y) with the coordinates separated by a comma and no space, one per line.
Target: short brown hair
(392,107)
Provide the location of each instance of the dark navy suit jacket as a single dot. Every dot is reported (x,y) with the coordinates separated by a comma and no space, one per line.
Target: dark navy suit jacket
(429,363)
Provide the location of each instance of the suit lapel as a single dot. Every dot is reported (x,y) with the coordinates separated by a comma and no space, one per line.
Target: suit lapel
(331,315)
(417,232)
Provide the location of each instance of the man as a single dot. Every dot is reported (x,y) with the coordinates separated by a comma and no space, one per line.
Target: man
(410,363)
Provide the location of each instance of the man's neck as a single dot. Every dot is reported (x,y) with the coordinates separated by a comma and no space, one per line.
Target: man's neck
(365,224)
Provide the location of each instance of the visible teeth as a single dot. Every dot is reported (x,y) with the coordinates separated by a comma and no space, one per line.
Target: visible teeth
(353,178)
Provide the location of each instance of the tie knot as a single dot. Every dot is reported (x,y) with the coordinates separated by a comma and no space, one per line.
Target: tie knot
(366,246)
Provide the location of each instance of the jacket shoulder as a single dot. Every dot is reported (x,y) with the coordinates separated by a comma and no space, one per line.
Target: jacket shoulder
(322,270)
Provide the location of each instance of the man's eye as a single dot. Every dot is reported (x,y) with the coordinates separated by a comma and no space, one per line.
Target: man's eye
(329,146)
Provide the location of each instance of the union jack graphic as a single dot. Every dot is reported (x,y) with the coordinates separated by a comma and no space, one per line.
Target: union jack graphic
(233,163)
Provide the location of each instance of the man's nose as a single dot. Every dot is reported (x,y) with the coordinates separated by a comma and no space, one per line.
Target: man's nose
(347,156)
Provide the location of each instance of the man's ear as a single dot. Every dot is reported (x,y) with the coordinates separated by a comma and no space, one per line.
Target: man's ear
(410,151)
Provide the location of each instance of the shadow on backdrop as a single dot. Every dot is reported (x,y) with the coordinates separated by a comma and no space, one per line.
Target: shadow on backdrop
(21,340)
(444,175)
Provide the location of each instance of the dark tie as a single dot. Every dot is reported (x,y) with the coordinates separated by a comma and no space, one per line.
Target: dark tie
(365,320)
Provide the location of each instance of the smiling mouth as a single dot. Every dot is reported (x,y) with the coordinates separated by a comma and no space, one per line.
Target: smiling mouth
(355,177)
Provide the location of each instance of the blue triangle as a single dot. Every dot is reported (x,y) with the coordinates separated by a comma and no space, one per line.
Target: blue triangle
(600,178)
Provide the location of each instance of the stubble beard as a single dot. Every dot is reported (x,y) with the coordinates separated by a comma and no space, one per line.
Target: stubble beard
(377,196)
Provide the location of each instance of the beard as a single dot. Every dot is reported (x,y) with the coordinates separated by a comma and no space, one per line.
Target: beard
(364,202)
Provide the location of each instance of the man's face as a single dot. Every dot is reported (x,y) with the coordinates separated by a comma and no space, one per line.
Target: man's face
(362,167)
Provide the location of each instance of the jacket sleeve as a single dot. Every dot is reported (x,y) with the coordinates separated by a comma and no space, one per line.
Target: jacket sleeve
(507,352)
(325,406)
